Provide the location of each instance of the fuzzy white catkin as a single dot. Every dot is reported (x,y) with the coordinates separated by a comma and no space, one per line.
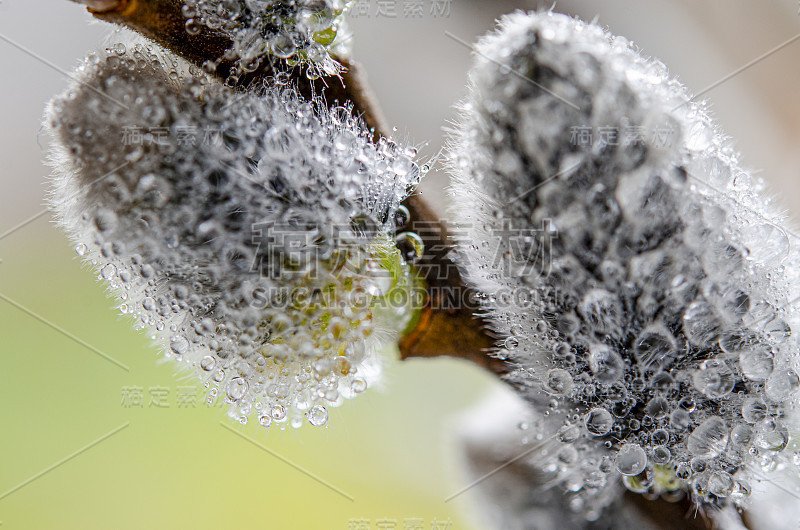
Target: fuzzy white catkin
(645,287)
(250,233)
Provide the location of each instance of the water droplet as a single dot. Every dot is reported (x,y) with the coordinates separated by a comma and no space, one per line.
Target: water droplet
(700,324)
(683,471)
(359,385)
(660,437)
(631,459)
(741,436)
(178,344)
(569,433)
(606,364)
(601,310)
(781,384)
(741,490)
(754,410)
(655,345)
(713,378)
(599,422)
(720,484)
(108,271)
(317,416)
(401,217)
(661,455)
(283,46)
(192,27)
(278,413)
(770,244)
(657,407)
(207,363)
(237,388)
(709,438)
(559,382)
(757,363)
(410,245)
(771,435)
(149,304)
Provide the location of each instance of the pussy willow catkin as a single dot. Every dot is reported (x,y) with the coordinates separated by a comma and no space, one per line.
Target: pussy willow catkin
(251,234)
(645,288)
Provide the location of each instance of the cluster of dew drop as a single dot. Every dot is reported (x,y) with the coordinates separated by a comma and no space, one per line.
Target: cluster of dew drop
(301,32)
(253,235)
(646,288)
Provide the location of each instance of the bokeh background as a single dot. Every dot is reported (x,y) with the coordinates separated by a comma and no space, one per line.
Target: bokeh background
(393,450)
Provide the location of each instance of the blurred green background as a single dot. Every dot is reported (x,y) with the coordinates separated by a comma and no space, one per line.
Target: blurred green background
(176,466)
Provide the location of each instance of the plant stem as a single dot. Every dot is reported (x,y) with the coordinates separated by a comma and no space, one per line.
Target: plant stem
(447,325)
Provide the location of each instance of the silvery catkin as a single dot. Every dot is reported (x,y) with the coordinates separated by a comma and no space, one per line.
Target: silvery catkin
(643,285)
(251,234)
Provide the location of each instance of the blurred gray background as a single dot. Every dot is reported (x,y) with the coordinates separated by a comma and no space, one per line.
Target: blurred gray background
(418,73)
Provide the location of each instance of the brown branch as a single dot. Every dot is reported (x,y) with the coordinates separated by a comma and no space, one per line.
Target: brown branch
(163,22)
(680,515)
(447,325)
